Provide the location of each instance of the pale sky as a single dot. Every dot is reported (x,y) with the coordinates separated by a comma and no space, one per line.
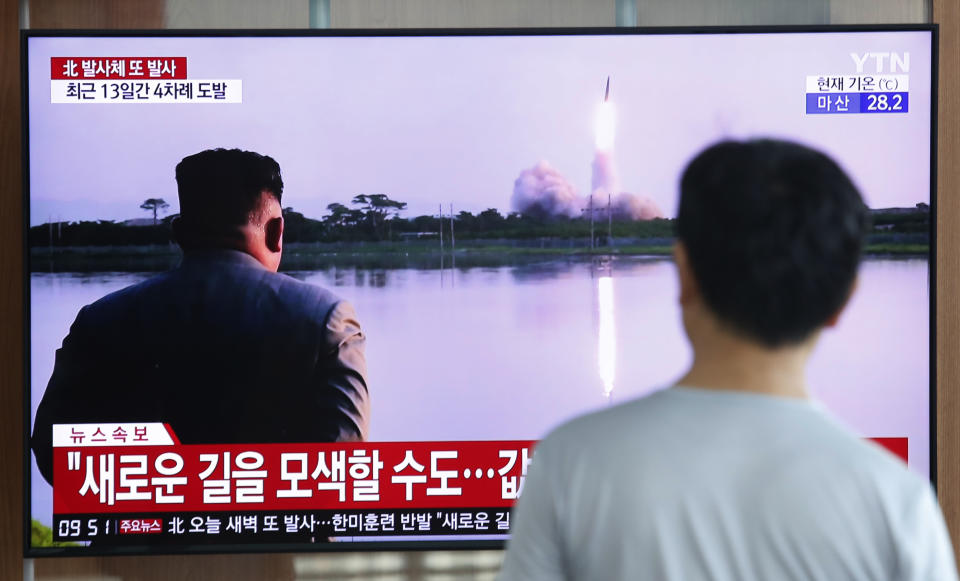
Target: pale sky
(455,119)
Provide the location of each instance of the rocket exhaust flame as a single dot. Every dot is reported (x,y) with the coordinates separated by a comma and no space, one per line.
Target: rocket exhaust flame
(605,127)
(544,192)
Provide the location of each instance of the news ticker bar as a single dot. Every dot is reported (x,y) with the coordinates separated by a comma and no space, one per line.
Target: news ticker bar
(280,526)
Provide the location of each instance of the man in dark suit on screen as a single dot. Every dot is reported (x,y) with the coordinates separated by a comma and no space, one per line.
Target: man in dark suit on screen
(222,348)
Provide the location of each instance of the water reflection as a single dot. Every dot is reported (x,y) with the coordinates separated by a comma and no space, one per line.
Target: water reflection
(552,270)
(517,348)
(607,337)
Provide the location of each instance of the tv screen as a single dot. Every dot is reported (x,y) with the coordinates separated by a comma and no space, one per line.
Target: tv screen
(476,247)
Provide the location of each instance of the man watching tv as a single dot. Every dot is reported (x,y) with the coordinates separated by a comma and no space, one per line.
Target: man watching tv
(734,473)
(222,348)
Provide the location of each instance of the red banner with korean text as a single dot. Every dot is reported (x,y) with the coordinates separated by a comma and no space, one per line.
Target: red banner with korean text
(172,478)
(123,480)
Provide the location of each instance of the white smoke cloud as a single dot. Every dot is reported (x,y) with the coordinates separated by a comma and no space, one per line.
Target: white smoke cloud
(544,191)
(606,190)
(625,206)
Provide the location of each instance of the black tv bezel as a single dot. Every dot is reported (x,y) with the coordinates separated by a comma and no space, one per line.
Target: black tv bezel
(414,545)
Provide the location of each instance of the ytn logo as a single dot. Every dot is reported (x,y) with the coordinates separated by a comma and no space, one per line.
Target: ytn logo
(882,62)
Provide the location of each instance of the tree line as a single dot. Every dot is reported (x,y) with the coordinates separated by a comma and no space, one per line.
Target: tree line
(376,217)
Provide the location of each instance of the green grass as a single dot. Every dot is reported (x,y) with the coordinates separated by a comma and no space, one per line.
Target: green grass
(42,536)
(417,254)
(600,251)
(899,249)
(869,250)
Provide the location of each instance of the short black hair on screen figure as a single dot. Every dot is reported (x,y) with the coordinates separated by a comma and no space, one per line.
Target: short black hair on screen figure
(219,189)
(774,232)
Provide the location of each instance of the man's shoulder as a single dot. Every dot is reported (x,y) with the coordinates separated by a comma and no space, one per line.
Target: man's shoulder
(609,422)
(772,473)
(701,424)
(588,438)
(127,297)
(223,283)
(299,291)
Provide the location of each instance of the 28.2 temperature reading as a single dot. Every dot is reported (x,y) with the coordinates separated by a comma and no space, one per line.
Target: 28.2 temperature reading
(881,102)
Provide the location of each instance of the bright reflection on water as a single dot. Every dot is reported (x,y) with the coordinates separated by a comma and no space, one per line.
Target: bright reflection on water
(607,335)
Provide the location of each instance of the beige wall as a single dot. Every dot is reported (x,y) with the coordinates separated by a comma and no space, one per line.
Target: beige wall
(528,13)
(731,12)
(539,13)
(237,14)
(470,13)
(877,11)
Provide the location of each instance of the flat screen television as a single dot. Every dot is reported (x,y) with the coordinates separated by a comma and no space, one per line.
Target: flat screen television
(497,206)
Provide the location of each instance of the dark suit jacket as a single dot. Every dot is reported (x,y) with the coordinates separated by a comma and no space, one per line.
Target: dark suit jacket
(220,348)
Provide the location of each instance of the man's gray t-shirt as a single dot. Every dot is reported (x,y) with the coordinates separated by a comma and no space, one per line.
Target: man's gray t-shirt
(696,484)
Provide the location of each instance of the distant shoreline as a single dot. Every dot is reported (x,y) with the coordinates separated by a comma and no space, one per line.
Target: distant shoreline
(389,255)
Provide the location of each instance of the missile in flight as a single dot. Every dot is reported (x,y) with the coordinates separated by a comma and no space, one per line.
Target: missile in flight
(605,122)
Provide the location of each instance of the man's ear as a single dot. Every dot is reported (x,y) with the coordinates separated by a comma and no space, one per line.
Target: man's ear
(835,318)
(177,225)
(689,290)
(180,234)
(273,233)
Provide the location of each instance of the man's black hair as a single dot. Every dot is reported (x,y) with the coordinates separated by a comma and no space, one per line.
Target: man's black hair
(774,232)
(219,189)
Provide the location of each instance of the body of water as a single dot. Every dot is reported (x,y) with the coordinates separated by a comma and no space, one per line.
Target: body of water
(508,352)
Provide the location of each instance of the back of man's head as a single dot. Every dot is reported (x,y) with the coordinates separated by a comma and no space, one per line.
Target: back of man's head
(773,232)
(222,189)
